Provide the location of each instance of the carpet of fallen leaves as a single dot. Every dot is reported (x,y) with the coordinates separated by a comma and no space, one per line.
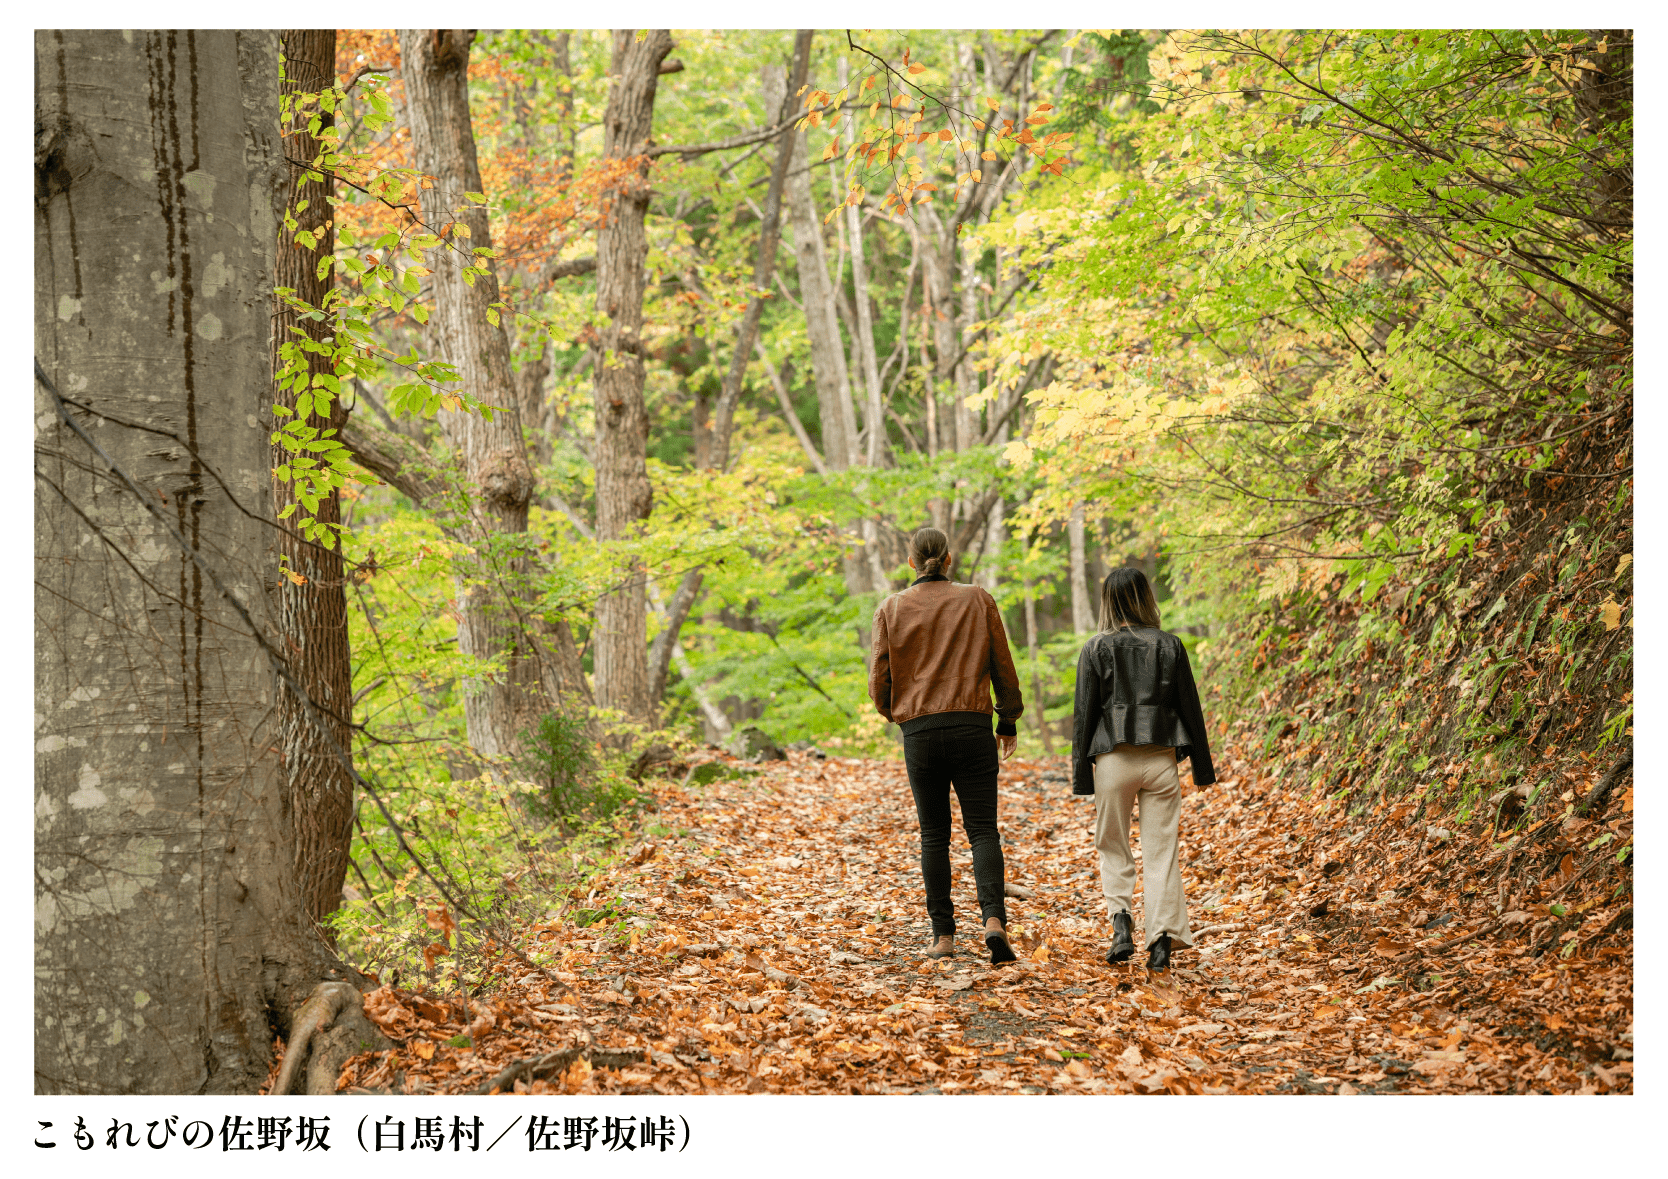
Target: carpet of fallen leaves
(778,934)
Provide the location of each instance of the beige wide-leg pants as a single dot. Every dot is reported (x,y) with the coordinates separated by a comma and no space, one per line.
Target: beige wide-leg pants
(1147,772)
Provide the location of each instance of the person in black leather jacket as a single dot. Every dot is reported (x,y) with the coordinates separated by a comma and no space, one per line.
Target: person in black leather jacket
(1137,714)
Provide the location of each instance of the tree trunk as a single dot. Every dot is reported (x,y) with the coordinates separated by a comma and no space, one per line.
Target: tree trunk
(764,264)
(1082,606)
(822,325)
(312,615)
(1036,710)
(874,419)
(492,608)
(170,936)
(622,422)
(778,95)
(566,130)
(874,414)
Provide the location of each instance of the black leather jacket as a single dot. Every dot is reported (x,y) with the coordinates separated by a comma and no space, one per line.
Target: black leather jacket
(1135,687)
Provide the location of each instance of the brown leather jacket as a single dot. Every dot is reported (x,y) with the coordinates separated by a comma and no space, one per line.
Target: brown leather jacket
(940,647)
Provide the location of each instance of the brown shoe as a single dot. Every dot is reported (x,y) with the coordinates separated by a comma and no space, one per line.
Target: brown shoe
(942,947)
(996,940)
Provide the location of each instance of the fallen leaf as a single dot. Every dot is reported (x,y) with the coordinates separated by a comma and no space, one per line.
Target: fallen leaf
(1326,1011)
(1386,948)
(423,1049)
(1201,1029)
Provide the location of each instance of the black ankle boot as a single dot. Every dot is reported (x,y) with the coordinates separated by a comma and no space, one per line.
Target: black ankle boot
(1158,954)
(1123,939)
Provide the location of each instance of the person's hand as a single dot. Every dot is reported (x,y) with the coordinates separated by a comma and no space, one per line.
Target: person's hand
(1007,745)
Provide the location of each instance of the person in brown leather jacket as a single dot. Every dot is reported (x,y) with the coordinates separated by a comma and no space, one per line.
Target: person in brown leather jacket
(939,652)
(1136,715)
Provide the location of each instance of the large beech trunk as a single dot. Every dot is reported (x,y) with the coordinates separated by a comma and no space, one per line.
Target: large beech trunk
(622,421)
(170,937)
(494,621)
(312,614)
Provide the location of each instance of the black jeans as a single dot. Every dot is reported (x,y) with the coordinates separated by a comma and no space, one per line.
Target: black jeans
(965,757)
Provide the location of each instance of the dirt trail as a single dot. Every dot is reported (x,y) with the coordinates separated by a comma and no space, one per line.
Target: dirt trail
(778,935)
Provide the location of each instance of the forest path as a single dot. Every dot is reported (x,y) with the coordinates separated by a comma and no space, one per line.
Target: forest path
(785,953)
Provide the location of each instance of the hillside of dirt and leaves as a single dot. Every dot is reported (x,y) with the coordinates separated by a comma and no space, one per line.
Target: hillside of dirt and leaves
(1328,331)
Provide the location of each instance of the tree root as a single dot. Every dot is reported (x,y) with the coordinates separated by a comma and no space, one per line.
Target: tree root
(1594,803)
(538,1067)
(325,1030)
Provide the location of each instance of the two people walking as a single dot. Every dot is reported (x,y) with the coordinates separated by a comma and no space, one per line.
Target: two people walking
(940,653)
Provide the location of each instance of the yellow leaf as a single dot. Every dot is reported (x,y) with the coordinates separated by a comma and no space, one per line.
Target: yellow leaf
(1611,612)
(979,123)
(423,1049)
(917,68)
(832,150)
(1040,954)
(993,104)
(295,577)
(987,155)
(977,175)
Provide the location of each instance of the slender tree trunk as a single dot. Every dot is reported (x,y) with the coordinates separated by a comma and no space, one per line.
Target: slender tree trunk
(764,264)
(567,131)
(874,417)
(312,614)
(492,606)
(780,96)
(1036,709)
(169,930)
(874,413)
(623,498)
(822,324)
(1082,606)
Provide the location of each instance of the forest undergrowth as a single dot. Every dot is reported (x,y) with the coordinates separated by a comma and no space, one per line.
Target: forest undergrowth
(767,935)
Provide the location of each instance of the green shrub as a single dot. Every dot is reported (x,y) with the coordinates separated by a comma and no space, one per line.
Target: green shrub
(560,760)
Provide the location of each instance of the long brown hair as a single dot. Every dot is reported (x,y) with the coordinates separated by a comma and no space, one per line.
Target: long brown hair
(1126,599)
(929,549)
